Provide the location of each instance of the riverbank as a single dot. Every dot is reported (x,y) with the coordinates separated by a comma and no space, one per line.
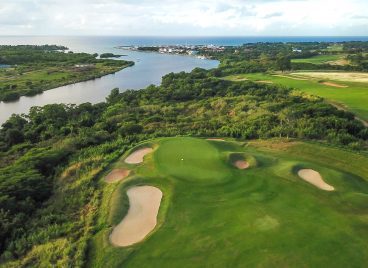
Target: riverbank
(148,69)
(34,69)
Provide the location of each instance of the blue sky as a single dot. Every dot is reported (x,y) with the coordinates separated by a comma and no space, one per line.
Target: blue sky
(184,17)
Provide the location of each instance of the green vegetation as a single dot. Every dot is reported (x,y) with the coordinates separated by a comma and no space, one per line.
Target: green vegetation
(35,69)
(56,209)
(217,215)
(109,55)
(321,59)
(263,57)
(353,97)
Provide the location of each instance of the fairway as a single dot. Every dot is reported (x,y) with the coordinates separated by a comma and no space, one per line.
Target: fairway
(215,215)
(351,95)
(337,59)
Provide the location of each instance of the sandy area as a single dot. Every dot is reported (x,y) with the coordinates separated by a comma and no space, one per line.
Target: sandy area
(117,175)
(241,164)
(340,62)
(137,156)
(291,77)
(338,76)
(315,178)
(141,218)
(333,85)
(240,79)
(214,139)
(264,82)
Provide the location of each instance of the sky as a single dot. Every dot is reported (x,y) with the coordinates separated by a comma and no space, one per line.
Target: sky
(185,17)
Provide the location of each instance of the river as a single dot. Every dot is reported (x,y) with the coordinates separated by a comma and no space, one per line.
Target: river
(148,69)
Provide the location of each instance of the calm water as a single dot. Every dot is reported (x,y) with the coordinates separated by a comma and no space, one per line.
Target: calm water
(149,67)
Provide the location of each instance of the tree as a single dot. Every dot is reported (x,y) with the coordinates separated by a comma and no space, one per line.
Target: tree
(114,96)
(283,62)
(13,136)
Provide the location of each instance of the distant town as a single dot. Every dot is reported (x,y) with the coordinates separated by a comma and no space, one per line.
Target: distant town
(191,50)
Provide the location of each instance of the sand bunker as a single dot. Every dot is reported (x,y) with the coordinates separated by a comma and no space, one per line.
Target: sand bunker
(264,82)
(241,164)
(137,156)
(117,175)
(314,178)
(214,139)
(333,85)
(141,219)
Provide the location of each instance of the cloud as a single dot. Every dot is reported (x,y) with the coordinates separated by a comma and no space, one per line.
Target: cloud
(190,17)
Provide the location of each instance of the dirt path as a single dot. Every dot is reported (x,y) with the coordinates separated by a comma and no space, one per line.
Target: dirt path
(137,156)
(214,139)
(117,175)
(313,177)
(141,219)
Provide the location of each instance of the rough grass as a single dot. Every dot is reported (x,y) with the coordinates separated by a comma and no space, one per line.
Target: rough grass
(353,98)
(213,215)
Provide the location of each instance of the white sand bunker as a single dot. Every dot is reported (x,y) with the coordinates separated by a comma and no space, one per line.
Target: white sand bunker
(241,164)
(215,139)
(314,178)
(117,175)
(137,156)
(141,219)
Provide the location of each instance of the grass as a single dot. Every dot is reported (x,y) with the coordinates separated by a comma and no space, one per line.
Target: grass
(354,97)
(320,59)
(214,215)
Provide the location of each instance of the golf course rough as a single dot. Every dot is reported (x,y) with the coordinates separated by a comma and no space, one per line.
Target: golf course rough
(214,215)
(141,219)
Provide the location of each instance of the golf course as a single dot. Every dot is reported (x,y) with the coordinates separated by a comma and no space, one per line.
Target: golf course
(345,90)
(226,203)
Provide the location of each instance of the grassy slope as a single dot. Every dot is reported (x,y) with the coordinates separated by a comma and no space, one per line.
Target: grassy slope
(214,215)
(354,97)
(320,59)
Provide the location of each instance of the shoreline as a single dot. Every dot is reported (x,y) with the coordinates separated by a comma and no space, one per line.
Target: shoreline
(129,64)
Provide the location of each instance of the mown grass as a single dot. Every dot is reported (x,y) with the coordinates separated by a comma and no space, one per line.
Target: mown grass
(354,97)
(214,215)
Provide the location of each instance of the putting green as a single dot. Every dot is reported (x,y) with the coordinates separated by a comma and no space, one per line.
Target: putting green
(215,215)
(190,159)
